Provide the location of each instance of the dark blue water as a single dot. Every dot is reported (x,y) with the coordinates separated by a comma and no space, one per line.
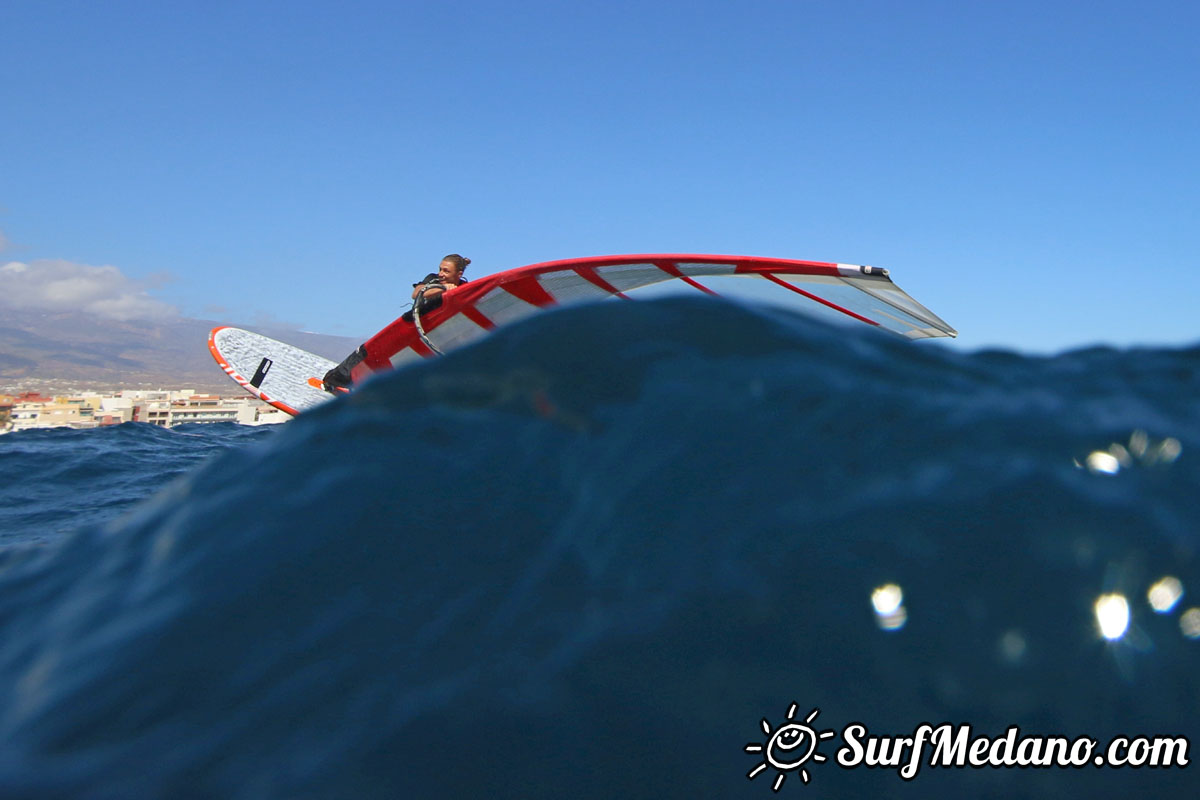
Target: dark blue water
(58,480)
(592,554)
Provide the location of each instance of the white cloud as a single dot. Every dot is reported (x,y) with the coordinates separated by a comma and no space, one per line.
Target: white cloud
(57,285)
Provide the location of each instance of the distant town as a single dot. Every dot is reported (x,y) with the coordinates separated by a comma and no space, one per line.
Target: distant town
(163,407)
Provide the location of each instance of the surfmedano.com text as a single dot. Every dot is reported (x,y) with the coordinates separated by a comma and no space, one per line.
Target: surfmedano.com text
(954,746)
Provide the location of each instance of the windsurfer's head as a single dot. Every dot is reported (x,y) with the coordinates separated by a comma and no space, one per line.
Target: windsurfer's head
(451,268)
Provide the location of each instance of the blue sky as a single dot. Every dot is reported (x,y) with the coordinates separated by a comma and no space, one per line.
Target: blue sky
(1028,170)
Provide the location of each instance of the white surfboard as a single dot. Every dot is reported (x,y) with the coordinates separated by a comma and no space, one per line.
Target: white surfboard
(278,373)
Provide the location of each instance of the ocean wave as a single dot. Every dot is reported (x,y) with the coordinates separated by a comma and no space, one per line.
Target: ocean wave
(592,553)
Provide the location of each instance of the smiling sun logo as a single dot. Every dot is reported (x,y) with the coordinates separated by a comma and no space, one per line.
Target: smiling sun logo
(788,748)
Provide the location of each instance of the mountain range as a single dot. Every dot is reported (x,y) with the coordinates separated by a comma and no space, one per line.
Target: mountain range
(56,352)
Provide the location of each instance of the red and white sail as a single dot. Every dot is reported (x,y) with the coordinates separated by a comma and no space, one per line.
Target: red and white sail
(471,311)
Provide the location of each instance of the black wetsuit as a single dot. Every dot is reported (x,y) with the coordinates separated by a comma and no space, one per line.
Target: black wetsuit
(427,304)
(339,376)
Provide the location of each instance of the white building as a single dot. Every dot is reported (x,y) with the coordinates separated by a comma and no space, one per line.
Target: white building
(161,408)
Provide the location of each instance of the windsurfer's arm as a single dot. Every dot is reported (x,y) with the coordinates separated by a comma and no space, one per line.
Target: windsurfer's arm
(429,290)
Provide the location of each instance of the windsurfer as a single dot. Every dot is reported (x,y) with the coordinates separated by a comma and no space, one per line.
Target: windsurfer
(426,295)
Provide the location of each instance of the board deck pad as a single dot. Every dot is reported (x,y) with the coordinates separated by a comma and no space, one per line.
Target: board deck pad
(276,372)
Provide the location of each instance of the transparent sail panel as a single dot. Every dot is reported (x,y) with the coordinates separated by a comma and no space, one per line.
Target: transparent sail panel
(567,287)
